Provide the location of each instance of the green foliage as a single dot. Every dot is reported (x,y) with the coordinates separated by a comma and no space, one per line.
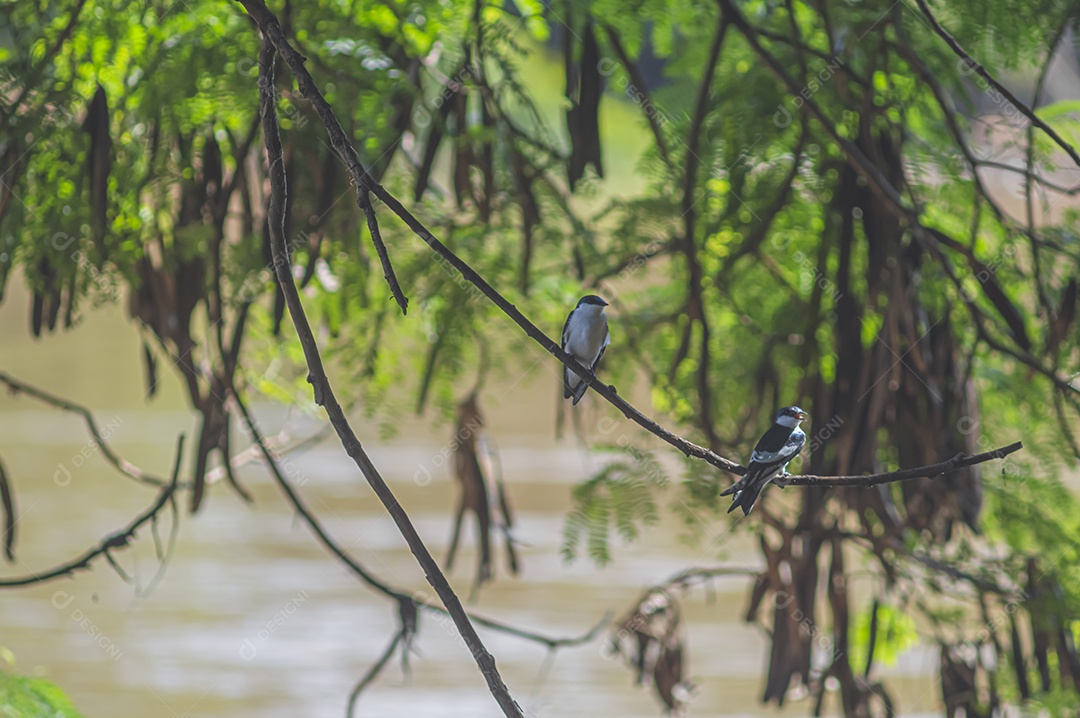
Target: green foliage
(896,633)
(619,498)
(22,697)
(797,262)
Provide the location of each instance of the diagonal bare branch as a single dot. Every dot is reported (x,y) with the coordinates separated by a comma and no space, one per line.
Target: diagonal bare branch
(974,66)
(323,392)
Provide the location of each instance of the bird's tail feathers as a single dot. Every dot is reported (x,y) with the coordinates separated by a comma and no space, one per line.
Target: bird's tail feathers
(567,391)
(747,490)
(748,496)
(580,391)
(734,488)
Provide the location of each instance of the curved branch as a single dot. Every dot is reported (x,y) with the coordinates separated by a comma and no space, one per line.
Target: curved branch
(373,672)
(122,465)
(972,65)
(262,445)
(118,539)
(639,83)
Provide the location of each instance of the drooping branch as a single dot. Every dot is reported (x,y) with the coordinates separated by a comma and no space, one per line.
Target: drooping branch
(115,540)
(122,465)
(323,392)
(974,66)
(639,84)
(262,445)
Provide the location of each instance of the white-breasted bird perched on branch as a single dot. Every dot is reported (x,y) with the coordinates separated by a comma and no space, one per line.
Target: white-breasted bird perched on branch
(585,337)
(779,445)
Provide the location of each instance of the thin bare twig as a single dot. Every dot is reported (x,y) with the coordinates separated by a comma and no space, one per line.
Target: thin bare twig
(974,66)
(122,465)
(118,539)
(373,672)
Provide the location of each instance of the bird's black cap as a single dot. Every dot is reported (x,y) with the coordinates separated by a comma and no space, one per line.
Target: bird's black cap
(592,299)
(794,412)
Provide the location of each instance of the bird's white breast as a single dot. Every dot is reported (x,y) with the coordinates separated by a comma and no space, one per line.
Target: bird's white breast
(587,333)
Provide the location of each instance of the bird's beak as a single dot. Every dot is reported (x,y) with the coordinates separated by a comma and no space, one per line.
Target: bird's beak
(604,303)
(802,416)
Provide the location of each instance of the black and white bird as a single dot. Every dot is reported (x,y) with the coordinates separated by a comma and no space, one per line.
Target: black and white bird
(779,445)
(585,337)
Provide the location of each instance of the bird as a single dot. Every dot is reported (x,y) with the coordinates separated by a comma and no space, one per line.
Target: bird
(585,336)
(777,446)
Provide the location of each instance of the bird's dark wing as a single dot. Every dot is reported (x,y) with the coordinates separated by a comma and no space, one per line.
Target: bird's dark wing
(566,327)
(567,392)
(783,453)
(754,472)
(596,362)
(773,440)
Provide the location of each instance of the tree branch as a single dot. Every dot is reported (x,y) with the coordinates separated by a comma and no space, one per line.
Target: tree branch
(978,69)
(118,539)
(373,672)
(359,176)
(695,301)
(262,445)
(957,462)
(323,392)
(1030,175)
(639,83)
(122,465)
(873,175)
